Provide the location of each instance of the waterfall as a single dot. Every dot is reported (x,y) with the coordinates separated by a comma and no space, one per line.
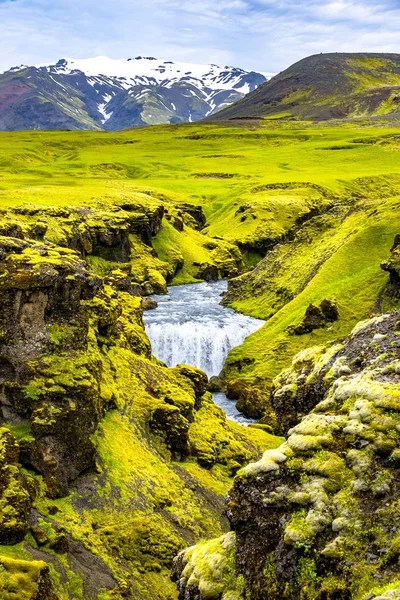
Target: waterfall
(202,345)
(191,327)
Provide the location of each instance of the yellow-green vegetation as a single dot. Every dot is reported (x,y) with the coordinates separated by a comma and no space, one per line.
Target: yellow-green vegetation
(224,170)
(337,257)
(117,475)
(318,516)
(23,580)
(210,568)
(14,500)
(127,462)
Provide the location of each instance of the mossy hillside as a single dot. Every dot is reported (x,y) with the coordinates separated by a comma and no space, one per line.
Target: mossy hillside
(209,440)
(121,238)
(323,87)
(202,256)
(336,257)
(134,515)
(318,517)
(113,435)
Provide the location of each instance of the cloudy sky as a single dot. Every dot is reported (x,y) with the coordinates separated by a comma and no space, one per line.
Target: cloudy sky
(266,35)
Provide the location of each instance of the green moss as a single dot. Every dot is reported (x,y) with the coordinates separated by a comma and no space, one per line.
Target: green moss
(210,568)
(19,579)
(213,439)
(21,431)
(307,579)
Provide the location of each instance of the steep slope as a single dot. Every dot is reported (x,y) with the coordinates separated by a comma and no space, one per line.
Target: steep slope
(326,86)
(333,258)
(102,93)
(318,518)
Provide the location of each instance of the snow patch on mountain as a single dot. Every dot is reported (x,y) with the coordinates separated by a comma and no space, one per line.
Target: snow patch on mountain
(149,70)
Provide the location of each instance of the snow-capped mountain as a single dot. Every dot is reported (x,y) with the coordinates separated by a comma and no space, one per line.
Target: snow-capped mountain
(112,94)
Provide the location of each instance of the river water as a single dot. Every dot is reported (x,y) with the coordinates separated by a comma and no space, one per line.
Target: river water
(189,326)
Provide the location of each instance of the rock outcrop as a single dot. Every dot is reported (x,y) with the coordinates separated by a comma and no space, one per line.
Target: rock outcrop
(392,266)
(318,518)
(45,389)
(317,316)
(15,500)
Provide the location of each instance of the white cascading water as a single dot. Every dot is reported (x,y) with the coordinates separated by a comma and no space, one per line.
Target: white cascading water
(191,327)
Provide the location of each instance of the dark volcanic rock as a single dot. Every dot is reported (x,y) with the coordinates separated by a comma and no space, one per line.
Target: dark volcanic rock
(173,427)
(392,266)
(316,317)
(196,213)
(207,272)
(149,304)
(43,298)
(216,384)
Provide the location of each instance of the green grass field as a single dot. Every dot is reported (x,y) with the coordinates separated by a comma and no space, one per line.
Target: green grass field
(211,165)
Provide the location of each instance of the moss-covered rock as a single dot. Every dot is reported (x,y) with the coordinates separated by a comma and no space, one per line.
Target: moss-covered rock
(25,580)
(99,423)
(15,501)
(197,378)
(317,518)
(317,316)
(207,571)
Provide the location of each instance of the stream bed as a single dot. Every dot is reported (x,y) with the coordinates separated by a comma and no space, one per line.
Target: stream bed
(189,326)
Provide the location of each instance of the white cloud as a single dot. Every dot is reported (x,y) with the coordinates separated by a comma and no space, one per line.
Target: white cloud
(267,35)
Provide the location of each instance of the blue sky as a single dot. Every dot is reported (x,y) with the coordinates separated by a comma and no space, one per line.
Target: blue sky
(266,35)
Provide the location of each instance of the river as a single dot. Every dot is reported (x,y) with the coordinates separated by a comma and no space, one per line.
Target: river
(190,326)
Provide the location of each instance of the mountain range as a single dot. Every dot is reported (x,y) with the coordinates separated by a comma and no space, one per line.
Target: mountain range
(108,94)
(112,94)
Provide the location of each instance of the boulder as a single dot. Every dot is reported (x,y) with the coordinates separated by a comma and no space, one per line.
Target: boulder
(197,378)
(207,272)
(216,384)
(317,316)
(168,422)
(149,303)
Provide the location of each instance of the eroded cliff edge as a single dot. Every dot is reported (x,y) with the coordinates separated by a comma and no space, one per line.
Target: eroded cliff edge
(317,517)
